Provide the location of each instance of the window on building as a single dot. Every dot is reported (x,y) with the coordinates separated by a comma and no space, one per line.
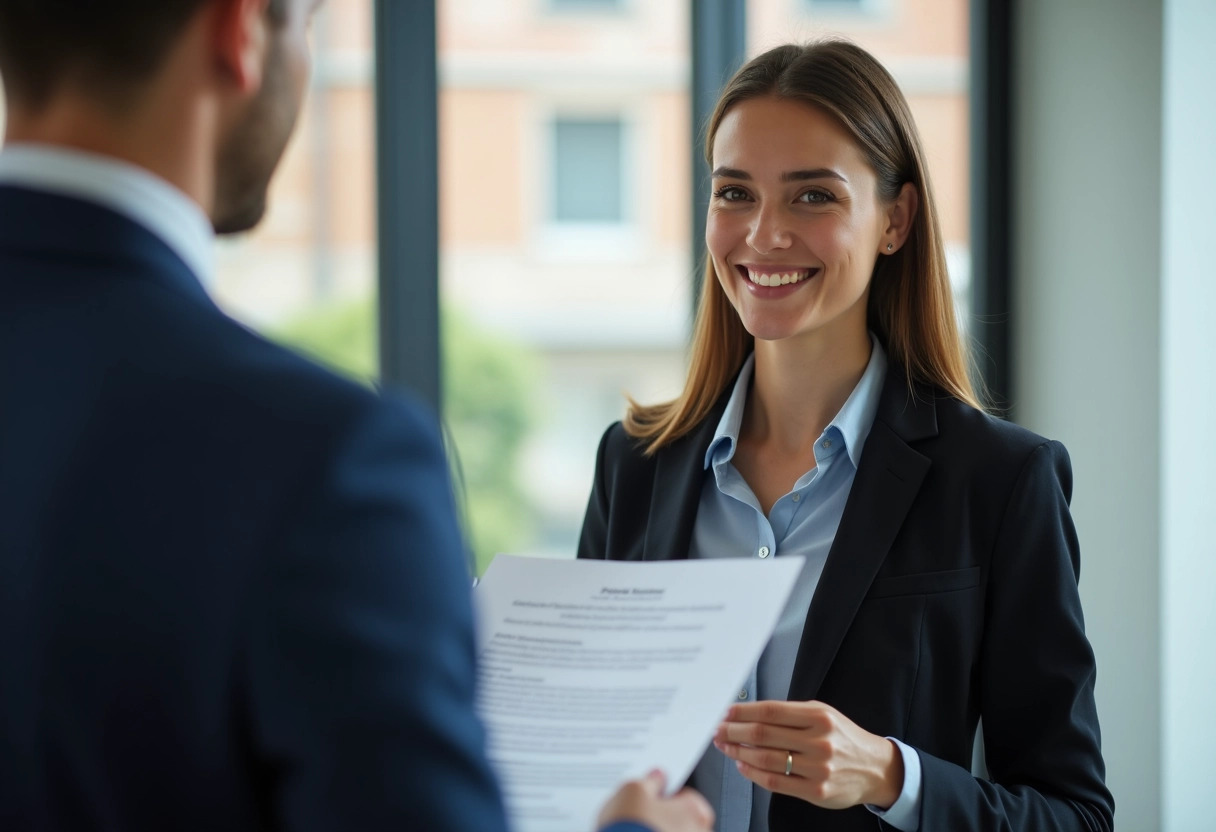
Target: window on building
(847,8)
(588,168)
(587,5)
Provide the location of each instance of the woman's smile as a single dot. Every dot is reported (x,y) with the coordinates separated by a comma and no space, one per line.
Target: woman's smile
(775,275)
(775,282)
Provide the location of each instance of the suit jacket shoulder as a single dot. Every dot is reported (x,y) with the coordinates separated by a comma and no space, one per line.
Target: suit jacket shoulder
(643,506)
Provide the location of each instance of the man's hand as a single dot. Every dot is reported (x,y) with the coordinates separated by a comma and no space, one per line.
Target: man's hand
(642,801)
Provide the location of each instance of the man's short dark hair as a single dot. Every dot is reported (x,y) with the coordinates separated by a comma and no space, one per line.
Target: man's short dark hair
(107,46)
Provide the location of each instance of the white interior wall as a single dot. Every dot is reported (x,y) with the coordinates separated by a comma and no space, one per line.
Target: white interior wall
(1188,416)
(1087,340)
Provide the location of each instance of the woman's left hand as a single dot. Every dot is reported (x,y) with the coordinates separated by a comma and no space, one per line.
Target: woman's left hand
(832,762)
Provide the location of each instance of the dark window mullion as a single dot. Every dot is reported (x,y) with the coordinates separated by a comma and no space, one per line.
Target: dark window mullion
(407,196)
(719,46)
(991,197)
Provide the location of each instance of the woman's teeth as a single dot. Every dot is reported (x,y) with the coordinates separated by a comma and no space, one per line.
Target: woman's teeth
(777,278)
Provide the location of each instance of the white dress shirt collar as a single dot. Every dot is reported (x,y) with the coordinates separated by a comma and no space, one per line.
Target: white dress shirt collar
(852,422)
(132,191)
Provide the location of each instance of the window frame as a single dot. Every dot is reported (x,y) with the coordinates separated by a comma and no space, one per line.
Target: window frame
(407,196)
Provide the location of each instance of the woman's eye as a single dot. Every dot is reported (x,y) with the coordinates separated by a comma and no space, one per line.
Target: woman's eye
(730,193)
(815,197)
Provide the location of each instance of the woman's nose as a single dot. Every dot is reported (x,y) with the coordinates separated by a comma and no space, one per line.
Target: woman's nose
(768,231)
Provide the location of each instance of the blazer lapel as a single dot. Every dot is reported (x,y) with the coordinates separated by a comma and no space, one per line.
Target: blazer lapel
(887,481)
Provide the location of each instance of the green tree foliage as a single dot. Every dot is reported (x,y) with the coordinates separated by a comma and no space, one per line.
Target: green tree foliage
(488,392)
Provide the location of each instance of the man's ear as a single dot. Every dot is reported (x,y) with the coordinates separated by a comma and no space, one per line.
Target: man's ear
(239,41)
(900,214)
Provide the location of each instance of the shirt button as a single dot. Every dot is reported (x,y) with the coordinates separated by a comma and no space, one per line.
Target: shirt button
(797,497)
(763,551)
(743,694)
(827,443)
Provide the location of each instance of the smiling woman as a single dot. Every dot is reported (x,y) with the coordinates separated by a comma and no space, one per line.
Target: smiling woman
(828,414)
(849,117)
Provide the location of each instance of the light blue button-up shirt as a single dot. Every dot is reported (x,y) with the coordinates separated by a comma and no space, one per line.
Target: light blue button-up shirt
(730,523)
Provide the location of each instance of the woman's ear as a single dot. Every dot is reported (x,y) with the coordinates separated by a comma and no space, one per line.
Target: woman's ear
(900,215)
(240,41)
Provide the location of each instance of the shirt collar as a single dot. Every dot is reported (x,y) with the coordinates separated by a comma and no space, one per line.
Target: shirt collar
(852,423)
(122,187)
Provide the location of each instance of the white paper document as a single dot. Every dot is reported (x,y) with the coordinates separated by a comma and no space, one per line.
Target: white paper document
(594,672)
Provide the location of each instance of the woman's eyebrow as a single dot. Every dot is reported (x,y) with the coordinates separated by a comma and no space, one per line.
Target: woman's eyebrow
(731,173)
(817,173)
(790,176)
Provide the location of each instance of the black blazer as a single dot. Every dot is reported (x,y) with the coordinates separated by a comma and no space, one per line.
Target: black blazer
(949,593)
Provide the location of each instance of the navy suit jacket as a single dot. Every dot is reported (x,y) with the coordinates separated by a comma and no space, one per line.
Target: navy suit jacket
(949,593)
(232,591)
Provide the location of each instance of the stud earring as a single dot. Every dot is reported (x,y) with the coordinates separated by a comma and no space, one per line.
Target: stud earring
(890,246)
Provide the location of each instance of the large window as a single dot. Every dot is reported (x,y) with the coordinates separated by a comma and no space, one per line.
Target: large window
(565,261)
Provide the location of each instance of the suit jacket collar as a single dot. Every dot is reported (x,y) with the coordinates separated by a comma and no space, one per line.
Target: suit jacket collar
(887,481)
(85,234)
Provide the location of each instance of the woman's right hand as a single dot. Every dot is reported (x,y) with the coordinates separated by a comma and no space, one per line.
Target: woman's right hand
(642,801)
